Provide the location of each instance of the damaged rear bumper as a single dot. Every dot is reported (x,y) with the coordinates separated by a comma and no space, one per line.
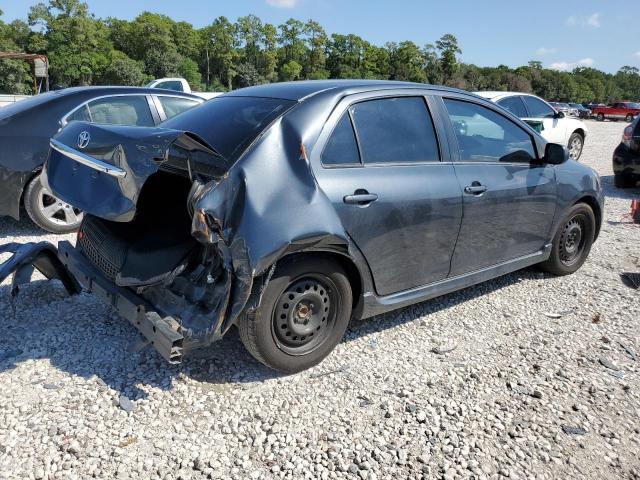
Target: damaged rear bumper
(74,270)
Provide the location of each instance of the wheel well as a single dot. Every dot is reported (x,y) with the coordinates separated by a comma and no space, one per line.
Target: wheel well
(353,274)
(580,132)
(29,180)
(593,203)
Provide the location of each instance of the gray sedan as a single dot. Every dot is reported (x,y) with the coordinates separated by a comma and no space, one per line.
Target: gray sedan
(289,209)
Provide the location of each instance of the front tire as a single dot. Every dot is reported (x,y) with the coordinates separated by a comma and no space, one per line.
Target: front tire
(49,212)
(629,118)
(302,316)
(600,117)
(576,145)
(572,242)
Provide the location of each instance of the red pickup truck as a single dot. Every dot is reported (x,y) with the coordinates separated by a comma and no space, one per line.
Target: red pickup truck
(617,111)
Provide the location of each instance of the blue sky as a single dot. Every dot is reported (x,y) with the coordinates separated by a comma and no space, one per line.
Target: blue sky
(560,33)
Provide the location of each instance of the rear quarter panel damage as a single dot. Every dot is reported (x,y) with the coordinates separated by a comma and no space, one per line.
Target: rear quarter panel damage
(267,206)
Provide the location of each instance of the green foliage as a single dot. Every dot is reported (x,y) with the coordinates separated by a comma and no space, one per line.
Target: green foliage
(224,55)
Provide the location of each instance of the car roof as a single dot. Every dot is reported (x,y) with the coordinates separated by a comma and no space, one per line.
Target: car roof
(301,90)
(110,90)
(491,95)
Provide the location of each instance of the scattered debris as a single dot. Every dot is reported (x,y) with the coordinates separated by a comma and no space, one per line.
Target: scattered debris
(617,373)
(524,390)
(630,351)
(597,318)
(50,386)
(552,315)
(573,430)
(126,404)
(605,362)
(631,280)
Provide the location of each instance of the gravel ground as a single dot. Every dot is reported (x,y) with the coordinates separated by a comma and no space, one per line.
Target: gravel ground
(527,376)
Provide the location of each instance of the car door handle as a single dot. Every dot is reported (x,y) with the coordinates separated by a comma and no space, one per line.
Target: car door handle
(475,189)
(360,198)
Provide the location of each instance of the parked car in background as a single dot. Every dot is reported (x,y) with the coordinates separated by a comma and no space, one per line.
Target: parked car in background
(27,126)
(626,157)
(179,85)
(554,126)
(8,99)
(583,112)
(288,209)
(626,111)
(564,108)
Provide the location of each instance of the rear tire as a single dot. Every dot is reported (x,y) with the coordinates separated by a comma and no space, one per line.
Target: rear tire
(572,242)
(576,145)
(47,211)
(621,180)
(302,316)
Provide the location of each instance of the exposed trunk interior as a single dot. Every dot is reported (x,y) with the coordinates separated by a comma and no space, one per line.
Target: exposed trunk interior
(147,249)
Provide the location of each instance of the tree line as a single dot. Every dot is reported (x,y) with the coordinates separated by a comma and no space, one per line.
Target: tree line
(225,55)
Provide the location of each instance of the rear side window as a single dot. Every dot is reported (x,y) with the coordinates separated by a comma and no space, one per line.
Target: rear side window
(175,105)
(537,108)
(81,114)
(125,110)
(485,136)
(514,105)
(395,130)
(342,148)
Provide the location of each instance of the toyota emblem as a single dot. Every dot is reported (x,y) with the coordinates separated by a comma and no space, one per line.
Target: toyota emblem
(83,139)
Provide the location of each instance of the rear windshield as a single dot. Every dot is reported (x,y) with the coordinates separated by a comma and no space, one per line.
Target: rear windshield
(230,124)
(633,105)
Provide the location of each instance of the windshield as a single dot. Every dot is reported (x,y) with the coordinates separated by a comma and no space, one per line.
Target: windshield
(634,105)
(229,124)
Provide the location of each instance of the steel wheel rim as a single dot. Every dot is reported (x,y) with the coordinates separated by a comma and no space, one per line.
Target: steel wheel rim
(55,210)
(576,148)
(305,314)
(572,240)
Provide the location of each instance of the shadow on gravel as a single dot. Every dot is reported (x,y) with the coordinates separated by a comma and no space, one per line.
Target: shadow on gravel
(611,191)
(10,228)
(85,338)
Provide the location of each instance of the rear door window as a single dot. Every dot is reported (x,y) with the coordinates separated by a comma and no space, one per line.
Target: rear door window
(514,105)
(122,110)
(486,136)
(395,130)
(537,108)
(342,147)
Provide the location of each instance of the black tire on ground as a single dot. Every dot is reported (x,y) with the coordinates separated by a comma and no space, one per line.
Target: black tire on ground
(303,314)
(600,117)
(576,150)
(65,220)
(572,242)
(629,118)
(621,180)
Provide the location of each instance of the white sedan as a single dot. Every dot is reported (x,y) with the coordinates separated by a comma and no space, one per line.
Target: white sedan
(555,127)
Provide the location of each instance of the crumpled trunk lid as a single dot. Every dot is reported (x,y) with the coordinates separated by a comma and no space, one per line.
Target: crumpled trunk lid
(101,169)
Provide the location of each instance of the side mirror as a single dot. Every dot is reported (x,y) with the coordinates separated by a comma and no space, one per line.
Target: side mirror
(555,154)
(559,115)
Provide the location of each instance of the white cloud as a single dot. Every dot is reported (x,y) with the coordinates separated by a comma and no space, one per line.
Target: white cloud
(592,21)
(568,66)
(637,54)
(545,51)
(283,3)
